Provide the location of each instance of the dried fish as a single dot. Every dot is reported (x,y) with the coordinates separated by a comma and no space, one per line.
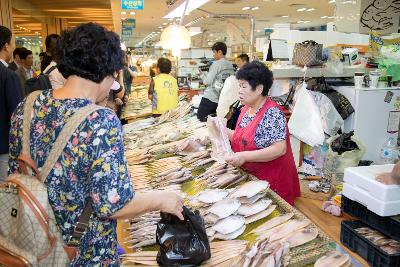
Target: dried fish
(301,237)
(273,223)
(231,236)
(210,196)
(333,258)
(248,210)
(260,215)
(211,218)
(229,224)
(225,207)
(249,201)
(289,228)
(250,189)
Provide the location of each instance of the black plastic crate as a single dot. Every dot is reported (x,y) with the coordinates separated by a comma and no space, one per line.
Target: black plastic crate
(365,248)
(389,226)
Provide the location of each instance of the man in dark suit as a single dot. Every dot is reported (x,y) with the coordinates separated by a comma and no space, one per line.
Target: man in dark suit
(10,96)
(16,64)
(51,45)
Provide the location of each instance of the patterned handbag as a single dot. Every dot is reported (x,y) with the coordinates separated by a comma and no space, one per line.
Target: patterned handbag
(29,235)
(307,53)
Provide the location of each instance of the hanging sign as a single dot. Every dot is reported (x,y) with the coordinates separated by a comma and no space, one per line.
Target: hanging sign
(129,24)
(132,4)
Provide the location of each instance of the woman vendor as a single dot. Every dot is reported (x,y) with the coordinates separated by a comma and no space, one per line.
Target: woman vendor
(261,140)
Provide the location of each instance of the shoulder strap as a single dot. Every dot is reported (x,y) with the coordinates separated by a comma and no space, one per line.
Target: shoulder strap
(50,70)
(64,137)
(26,128)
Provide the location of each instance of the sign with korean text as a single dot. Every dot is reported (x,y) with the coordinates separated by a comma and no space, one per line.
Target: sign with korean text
(132,4)
(129,24)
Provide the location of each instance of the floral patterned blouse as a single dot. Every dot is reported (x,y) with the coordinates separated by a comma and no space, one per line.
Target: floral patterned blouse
(92,165)
(271,129)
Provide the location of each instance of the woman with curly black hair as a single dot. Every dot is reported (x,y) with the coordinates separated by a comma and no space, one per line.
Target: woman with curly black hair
(92,167)
(261,140)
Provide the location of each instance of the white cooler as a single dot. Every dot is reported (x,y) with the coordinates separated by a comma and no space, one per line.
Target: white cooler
(360,185)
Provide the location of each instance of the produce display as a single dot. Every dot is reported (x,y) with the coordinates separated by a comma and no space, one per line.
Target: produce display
(246,222)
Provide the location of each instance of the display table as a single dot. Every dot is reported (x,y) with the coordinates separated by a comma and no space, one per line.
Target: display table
(328,223)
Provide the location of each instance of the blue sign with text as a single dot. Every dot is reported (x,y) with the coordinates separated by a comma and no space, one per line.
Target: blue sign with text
(132,4)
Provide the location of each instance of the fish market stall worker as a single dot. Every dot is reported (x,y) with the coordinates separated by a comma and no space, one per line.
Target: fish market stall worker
(261,140)
(164,88)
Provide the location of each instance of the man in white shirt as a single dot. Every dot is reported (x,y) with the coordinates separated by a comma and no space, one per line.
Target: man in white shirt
(229,93)
(25,71)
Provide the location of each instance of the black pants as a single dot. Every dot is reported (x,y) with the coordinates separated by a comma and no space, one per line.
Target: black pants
(206,107)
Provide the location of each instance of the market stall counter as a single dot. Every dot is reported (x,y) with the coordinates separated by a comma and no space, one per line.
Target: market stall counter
(173,153)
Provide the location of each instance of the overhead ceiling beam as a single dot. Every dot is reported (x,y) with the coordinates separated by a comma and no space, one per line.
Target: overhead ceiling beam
(27,8)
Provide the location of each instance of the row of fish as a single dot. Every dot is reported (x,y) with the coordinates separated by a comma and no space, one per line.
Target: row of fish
(223,253)
(275,238)
(227,212)
(386,244)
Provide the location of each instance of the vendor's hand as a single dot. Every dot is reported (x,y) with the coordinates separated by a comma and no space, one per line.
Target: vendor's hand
(171,203)
(236,159)
(387,178)
(119,102)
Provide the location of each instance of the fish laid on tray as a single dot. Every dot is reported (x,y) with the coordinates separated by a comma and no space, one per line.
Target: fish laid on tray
(386,244)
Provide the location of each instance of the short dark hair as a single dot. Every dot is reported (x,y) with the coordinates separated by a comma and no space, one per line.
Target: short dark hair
(49,39)
(25,53)
(244,57)
(89,51)
(18,51)
(256,73)
(5,36)
(220,46)
(42,54)
(165,65)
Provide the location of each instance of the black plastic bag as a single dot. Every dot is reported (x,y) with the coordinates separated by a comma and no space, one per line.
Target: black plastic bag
(182,243)
(344,143)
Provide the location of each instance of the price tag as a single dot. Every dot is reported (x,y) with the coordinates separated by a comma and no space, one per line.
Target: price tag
(393,122)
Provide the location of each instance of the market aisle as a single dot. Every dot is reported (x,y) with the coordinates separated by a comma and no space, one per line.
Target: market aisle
(328,223)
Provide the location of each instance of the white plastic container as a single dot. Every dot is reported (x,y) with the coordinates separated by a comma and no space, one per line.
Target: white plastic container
(364,178)
(387,208)
(360,185)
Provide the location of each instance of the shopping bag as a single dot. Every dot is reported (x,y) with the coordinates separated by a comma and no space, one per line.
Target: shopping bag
(182,242)
(305,123)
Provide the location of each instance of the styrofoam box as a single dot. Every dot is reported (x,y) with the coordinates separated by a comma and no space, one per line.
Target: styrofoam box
(364,179)
(388,208)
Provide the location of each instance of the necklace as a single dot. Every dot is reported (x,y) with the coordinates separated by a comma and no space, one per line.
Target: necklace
(258,109)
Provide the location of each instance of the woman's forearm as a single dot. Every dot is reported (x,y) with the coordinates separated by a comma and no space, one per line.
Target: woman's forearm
(140,204)
(270,153)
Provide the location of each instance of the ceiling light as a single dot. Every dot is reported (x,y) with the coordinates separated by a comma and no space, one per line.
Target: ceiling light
(255,8)
(165,23)
(170,19)
(192,5)
(307,21)
(310,9)
(133,13)
(175,37)
(160,27)
(332,1)
(301,9)
(331,17)
(246,8)
(285,16)
(123,13)
(158,32)
(300,21)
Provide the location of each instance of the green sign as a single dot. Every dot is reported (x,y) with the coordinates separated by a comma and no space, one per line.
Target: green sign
(129,24)
(132,4)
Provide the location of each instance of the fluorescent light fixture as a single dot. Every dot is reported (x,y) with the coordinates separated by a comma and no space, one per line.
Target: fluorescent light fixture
(300,21)
(285,16)
(178,11)
(310,9)
(160,27)
(307,21)
(123,13)
(301,9)
(165,23)
(331,17)
(332,1)
(246,8)
(255,8)
(133,13)
(324,17)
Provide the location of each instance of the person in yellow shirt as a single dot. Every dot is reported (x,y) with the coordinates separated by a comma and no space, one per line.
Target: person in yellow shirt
(163,88)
